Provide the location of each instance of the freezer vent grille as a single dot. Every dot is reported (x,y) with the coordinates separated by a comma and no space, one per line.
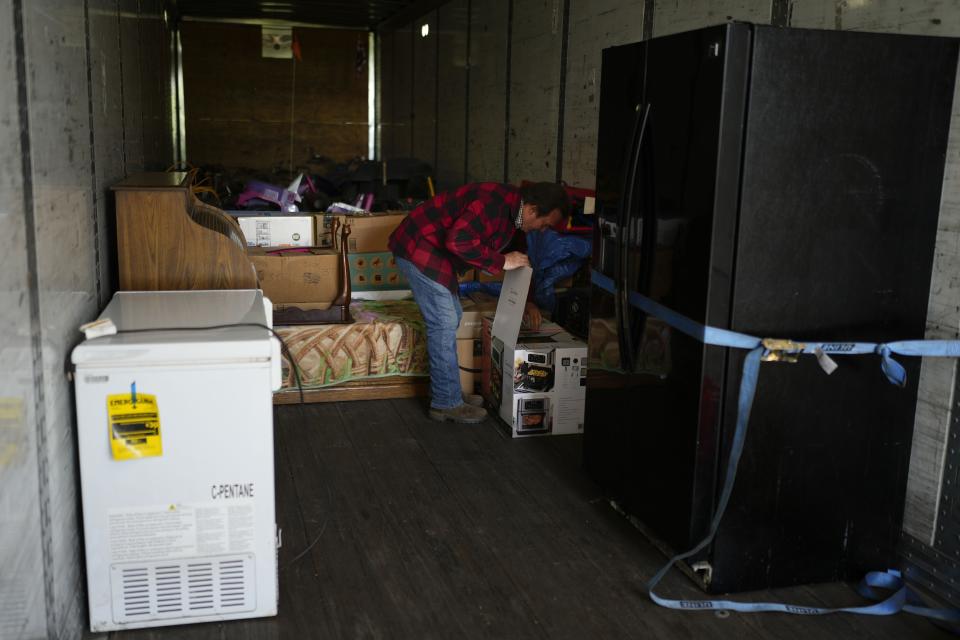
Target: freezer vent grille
(169,580)
(192,587)
(136,592)
(233,585)
(200,586)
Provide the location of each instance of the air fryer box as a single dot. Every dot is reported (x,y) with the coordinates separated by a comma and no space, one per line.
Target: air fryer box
(569,383)
(537,384)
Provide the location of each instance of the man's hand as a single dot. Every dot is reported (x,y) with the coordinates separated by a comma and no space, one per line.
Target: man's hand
(515,260)
(531,313)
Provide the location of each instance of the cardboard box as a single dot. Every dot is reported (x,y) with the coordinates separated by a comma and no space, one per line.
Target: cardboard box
(489,372)
(368,234)
(478,275)
(570,384)
(537,382)
(375,272)
(277,231)
(544,386)
(472,318)
(302,277)
(469,358)
(323,224)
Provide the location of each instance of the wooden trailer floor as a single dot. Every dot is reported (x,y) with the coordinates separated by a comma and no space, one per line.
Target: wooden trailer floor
(395,526)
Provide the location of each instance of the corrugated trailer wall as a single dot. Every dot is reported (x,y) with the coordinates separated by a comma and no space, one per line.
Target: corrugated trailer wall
(532,75)
(85,100)
(452,95)
(487,66)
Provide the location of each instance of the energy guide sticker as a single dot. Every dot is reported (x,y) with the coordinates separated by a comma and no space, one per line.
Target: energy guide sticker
(134,423)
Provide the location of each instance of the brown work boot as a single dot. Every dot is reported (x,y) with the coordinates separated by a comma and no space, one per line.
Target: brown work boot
(473,398)
(465,413)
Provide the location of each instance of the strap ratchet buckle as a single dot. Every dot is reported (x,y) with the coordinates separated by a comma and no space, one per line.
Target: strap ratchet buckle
(778,350)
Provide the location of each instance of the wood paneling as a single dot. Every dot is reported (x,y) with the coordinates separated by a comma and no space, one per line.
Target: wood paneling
(239,105)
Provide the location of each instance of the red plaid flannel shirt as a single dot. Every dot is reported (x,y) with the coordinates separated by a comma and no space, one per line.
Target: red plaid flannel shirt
(457,230)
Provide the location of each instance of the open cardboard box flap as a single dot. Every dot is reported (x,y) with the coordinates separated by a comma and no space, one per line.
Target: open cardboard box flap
(508,323)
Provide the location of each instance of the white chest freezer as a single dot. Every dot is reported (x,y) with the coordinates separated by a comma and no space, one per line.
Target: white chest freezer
(176,460)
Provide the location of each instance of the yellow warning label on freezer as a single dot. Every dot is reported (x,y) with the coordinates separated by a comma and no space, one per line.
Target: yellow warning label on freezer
(134,423)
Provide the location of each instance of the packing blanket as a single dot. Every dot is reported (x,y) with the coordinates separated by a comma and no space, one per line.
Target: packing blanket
(388,338)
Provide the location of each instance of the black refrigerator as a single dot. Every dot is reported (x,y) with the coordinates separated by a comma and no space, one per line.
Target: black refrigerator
(782,183)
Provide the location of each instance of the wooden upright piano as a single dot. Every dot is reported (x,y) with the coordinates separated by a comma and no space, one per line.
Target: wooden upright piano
(168,239)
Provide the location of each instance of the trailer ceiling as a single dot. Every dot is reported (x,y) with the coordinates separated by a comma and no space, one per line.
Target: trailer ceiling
(357,14)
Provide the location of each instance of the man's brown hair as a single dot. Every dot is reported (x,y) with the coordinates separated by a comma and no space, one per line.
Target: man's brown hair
(546,196)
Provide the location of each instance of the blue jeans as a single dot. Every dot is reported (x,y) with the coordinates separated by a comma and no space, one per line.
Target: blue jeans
(441,313)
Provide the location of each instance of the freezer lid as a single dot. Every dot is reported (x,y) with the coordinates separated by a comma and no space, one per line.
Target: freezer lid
(186,312)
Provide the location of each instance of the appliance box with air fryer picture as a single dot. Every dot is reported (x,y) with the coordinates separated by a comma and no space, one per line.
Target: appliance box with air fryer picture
(277,231)
(537,385)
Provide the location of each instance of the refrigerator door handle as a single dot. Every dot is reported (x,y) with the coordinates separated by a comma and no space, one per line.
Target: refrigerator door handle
(623,258)
(617,231)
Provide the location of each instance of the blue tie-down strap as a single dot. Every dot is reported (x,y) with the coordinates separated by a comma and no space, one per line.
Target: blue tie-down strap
(888,588)
(892,369)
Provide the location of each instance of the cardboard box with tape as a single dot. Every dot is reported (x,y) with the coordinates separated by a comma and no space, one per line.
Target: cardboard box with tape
(472,318)
(469,360)
(298,276)
(368,233)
